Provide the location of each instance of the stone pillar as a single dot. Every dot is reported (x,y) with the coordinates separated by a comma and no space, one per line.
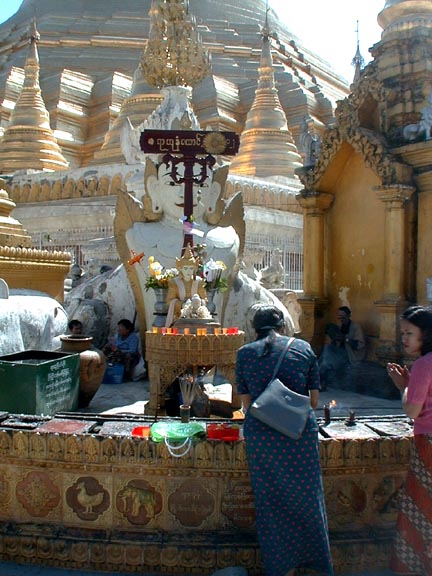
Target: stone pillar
(418,156)
(424,215)
(313,301)
(314,205)
(393,299)
(394,198)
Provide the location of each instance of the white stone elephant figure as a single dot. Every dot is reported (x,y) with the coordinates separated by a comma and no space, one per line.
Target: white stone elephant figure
(30,320)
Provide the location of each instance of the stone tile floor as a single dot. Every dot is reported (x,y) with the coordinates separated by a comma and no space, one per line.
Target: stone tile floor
(131,397)
(10,569)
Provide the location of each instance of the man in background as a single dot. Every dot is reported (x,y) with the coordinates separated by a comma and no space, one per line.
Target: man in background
(347,346)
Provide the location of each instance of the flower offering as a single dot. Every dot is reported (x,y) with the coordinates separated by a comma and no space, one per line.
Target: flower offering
(159,276)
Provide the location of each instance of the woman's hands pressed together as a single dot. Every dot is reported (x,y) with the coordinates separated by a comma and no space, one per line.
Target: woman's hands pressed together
(399,375)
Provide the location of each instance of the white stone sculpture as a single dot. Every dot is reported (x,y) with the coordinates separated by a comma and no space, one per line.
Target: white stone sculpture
(30,320)
(99,302)
(155,227)
(129,143)
(174,113)
(4,289)
(414,131)
(196,308)
(272,276)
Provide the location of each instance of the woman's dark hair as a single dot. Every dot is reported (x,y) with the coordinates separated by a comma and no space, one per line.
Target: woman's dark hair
(421,317)
(267,321)
(126,324)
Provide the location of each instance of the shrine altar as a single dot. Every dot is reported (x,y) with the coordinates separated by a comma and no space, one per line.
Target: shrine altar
(168,355)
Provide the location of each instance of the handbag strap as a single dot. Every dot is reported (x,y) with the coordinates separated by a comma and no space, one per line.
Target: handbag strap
(281,357)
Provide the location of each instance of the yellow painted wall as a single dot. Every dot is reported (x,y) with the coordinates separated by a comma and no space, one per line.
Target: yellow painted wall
(354,244)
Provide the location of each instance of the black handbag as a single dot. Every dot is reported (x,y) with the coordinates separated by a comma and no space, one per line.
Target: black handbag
(280,407)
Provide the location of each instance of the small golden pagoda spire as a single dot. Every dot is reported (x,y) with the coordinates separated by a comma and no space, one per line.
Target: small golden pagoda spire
(174,55)
(28,141)
(267,148)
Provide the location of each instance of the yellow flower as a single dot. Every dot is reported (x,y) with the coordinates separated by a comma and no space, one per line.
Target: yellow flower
(155,268)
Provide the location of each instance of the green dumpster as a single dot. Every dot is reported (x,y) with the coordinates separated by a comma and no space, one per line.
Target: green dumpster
(39,382)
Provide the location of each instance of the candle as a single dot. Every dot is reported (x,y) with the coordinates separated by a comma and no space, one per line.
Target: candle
(164,330)
(326,414)
(217,331)
(169,330)
(203,331)
(175,330)
(155,330)
(224,330)
(186,331)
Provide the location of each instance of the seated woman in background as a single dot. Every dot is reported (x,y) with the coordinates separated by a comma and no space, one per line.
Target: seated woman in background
(125,348)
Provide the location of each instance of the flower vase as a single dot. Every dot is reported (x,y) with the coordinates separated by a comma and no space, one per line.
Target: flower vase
(211,306)
(160,306)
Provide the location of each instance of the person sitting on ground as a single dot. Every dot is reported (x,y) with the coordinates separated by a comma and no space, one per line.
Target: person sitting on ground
(125,348)
(347,346)
(75,327)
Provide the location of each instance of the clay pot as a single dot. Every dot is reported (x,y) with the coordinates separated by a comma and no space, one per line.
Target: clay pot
(92,365)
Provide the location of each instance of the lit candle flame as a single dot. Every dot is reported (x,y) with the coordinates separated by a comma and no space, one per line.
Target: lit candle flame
(332,404)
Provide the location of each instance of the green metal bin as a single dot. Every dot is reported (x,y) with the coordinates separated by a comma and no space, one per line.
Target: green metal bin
(39,382)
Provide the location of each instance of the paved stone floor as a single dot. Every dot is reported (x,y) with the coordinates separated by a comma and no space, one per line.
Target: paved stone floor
(9,569)
(132,396)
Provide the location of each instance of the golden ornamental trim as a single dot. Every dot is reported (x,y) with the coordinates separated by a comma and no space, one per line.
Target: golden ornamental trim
(32,255)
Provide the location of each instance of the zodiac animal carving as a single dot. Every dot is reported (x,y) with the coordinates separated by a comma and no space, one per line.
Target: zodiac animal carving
(86,500)
(134,498)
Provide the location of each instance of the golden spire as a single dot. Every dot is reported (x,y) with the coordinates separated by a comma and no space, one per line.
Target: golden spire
(28,141)
(174,55)
(267,148)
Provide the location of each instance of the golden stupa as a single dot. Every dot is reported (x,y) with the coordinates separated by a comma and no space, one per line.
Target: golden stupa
(28,140)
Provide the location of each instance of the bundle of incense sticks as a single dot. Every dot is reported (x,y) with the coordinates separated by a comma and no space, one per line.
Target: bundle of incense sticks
(187,389)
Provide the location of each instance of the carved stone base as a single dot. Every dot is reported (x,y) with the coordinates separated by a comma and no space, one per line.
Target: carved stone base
(84,493)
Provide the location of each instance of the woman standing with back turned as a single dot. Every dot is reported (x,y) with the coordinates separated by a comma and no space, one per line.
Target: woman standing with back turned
(412,552)
(285,473)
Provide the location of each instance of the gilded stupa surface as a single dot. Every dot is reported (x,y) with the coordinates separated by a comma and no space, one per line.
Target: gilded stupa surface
(91,60)
(90,53)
